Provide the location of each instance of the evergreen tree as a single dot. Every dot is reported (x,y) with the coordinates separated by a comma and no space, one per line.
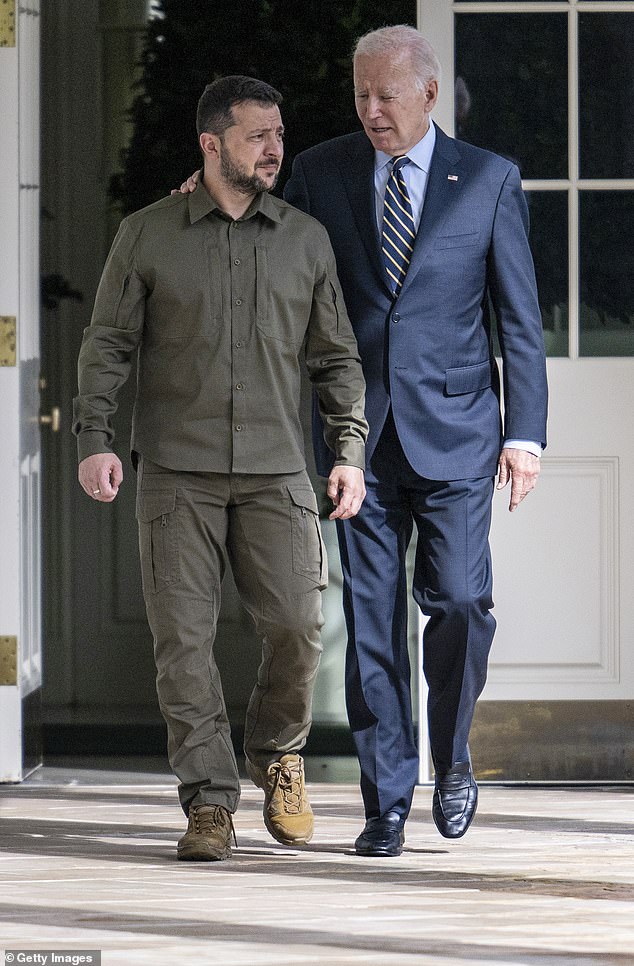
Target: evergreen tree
(301,47)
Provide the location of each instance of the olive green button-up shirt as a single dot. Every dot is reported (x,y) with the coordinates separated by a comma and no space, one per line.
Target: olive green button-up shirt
(220,312)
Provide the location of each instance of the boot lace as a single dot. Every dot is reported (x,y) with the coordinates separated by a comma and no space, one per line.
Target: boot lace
(208,818)
(287,779)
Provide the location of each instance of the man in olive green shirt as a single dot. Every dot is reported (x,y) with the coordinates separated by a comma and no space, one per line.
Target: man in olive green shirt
(221,292)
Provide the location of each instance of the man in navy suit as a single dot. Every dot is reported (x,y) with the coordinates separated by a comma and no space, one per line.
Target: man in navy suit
(427,232)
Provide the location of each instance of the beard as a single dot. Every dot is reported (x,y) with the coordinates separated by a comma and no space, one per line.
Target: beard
(237,178)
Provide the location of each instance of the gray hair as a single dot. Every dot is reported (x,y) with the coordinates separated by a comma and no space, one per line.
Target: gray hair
(396,41)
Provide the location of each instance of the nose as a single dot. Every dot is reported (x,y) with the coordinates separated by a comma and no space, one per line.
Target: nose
(374,107)
(274,148)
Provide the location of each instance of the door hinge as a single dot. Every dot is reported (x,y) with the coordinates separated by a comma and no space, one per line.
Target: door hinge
(8,660)
(7,23)
(7,340)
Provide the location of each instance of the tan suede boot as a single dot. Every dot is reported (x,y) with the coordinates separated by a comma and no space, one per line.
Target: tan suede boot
(208,835)
(287,812)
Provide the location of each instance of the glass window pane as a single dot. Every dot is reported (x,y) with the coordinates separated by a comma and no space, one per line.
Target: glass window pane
(549,244)
(512,88)
(606,273)
(606,95)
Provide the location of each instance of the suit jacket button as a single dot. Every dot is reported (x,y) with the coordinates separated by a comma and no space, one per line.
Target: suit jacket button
(396,317)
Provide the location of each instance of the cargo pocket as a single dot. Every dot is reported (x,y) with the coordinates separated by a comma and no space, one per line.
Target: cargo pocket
(158,539)
(309,552)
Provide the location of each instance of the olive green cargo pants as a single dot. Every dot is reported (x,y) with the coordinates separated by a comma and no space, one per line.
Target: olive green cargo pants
(268,529)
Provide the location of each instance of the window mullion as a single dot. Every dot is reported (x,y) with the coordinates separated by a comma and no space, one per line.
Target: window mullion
(573,191)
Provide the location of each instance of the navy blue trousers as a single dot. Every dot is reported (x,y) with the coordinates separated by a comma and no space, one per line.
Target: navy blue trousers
(452,585)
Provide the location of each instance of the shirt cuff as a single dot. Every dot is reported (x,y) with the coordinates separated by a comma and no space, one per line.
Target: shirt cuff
(351,453)
(90,443)
(526,444)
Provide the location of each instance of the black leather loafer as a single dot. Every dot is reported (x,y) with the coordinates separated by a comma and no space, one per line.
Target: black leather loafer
(455,800)
(382,836)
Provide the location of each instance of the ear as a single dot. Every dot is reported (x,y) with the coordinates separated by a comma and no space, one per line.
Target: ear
(209,145)
(431,96)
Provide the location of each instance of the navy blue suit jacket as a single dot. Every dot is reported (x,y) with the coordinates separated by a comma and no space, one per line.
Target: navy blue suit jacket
(430,353)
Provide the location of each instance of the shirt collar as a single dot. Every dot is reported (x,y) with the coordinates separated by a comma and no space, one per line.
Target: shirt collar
(420,154)
(201,203)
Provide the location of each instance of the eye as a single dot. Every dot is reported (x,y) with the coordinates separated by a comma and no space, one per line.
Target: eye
(361,97)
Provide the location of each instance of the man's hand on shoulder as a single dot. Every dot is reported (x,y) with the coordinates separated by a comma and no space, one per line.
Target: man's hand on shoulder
(101,476)
(187,186)
(346,489)
(522,469)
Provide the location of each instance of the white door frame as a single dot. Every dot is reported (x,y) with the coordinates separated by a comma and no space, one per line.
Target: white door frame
(20,560)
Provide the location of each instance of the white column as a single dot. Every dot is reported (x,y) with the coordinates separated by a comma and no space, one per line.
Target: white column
(20,632)
(10,729)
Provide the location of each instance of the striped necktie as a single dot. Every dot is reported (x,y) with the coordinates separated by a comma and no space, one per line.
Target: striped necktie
(399,230)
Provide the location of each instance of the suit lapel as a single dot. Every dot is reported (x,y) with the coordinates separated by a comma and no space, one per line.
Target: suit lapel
(443,186)
(357,171)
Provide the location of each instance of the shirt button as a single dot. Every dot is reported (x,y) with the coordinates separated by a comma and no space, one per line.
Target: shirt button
(396,317)
(238,301)
(236,261)
(238,428)
(239,345)
(239,385)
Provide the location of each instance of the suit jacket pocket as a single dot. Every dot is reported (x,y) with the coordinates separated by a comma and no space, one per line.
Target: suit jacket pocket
(463,240)
(464,379)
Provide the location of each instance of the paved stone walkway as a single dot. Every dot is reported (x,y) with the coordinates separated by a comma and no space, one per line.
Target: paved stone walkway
(545,877)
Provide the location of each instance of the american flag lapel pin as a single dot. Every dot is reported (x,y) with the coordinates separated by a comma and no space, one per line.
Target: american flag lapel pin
(452,177)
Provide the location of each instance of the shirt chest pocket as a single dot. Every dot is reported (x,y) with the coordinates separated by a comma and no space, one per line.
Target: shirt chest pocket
(215,282)
(186,300)
(283,297)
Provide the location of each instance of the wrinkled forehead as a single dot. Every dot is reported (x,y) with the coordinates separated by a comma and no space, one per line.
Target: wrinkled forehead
(383,70)
(254,114)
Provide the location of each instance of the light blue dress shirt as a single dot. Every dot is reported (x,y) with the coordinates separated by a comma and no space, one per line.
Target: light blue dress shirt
(416,174)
